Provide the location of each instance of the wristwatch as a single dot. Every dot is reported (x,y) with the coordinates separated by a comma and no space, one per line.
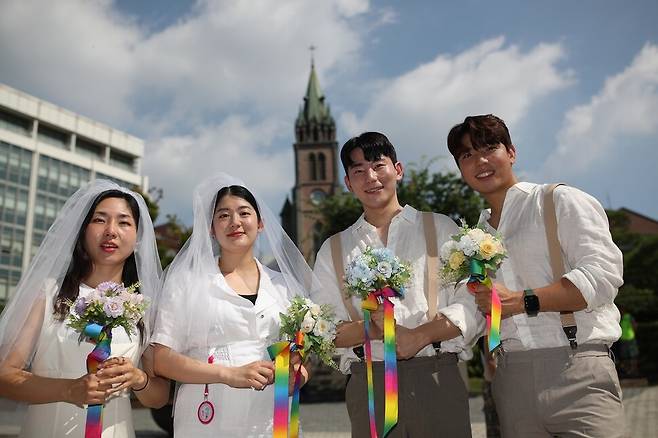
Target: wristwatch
(530,302)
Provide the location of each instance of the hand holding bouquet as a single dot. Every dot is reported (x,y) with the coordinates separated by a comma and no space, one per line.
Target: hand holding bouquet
(94,314)
(472,254)
(306,328)
(376,276)
(374,270)
(316,323)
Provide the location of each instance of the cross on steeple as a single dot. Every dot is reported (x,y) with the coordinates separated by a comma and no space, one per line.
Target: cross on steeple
(312,49)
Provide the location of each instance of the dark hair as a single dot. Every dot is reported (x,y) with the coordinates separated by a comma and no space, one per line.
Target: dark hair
(240,192)
(483,130)
(373,144)
(81,266)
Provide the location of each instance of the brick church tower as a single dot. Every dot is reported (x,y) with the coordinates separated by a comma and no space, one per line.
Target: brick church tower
(316,172)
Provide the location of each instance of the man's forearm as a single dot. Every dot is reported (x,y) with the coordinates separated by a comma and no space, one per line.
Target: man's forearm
(440,329)
(351,333)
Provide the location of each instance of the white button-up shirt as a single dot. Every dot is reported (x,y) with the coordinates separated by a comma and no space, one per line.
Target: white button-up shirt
(407,240)
(593,263)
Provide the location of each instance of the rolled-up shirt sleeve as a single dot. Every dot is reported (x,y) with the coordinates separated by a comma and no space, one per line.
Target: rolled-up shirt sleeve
(463,313)
(326,289)
(594,263)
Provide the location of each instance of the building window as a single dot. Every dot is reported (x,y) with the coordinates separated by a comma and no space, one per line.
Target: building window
(322,166)
(313,166)
(122,183)
(122,161)
(53,137)
(14,123)
(89,149)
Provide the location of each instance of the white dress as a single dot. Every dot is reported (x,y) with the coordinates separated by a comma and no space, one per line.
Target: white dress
(241,333)
(59,355)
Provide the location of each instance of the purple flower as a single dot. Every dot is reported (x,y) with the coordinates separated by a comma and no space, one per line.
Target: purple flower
(80,306)
(107,286)
(113,307)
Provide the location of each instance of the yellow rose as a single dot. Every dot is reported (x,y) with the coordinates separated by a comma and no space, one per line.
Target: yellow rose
(488,248)
(456,259)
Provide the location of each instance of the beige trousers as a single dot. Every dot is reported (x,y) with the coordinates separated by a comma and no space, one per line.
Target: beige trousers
(556,392)
(432,399)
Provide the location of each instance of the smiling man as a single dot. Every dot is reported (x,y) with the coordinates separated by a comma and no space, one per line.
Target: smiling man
(555,376)
(431,332)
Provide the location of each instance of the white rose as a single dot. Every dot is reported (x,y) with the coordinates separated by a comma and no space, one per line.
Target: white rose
(468,246)
(308,323)
(476,234)
(315,309)
(321,328)
(447,249)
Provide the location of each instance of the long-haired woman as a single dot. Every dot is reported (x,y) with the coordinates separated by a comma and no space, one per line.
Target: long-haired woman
(103,233)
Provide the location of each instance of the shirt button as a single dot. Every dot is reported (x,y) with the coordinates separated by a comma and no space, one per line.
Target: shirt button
(262,316)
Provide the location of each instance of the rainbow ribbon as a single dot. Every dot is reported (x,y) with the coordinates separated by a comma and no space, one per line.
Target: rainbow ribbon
(280,353)
(478,274)
(102,337)
(371,303)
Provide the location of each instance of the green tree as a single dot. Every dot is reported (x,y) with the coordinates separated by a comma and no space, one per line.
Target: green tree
(441,192)
(172,239)
(152,200)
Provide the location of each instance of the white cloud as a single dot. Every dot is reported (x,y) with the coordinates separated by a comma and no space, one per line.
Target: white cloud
(217,89)
(236,146)
(612,124)
(418,108)
(78,54)
(249,54)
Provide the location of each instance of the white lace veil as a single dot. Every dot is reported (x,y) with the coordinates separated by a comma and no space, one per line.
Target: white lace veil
(186,293)
(21,320)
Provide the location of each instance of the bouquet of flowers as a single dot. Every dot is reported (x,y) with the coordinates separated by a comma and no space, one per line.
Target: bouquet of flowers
(473,253)
(108,305)
(375,269)
(94,314)
(376,276)
(306,327)
(470,246)
(318,325)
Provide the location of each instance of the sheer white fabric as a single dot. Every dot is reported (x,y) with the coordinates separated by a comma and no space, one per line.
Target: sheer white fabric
(201,315)
(32,339)
(20,324)
(58,354)
(186,279)
(240,333)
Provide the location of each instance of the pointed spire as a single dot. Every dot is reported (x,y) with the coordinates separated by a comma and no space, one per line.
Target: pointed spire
(314,119)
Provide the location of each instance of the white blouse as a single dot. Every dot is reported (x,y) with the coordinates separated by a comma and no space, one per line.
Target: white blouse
(239,333)
(593,263)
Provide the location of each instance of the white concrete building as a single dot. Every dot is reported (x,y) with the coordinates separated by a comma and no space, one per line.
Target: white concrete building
(46,154)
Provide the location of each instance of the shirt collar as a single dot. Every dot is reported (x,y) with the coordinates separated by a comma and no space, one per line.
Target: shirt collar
(518,188)
(408,214)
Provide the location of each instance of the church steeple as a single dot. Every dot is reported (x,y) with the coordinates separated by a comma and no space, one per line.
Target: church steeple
(316,170)
(314,122)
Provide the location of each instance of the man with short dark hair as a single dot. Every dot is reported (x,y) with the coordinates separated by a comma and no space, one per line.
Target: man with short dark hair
(433,400)
(554,376)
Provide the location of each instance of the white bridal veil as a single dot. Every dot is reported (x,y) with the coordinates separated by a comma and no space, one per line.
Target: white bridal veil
(21,320)
(186,290)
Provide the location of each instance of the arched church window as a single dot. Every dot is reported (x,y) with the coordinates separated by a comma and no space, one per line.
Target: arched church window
(322,172)
(313,166)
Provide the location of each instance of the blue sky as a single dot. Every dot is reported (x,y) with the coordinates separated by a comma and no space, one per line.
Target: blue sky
(215,85)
